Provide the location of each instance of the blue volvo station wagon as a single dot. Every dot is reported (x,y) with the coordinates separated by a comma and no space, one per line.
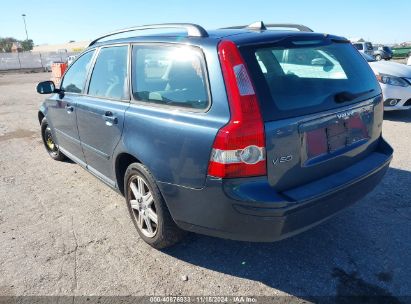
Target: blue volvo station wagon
(251,133)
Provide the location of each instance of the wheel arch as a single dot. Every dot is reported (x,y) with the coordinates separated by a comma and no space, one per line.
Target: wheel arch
(123,160)
(40,116)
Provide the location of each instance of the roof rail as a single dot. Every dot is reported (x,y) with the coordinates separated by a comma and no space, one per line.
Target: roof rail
(193,30)
(259,25)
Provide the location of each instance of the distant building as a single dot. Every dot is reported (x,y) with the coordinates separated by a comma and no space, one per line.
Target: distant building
(75,46)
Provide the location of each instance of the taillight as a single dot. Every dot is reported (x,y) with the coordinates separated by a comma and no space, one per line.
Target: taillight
(239,147)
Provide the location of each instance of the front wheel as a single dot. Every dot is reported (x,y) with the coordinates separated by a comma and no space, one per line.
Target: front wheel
(49,143)
(148,209)
(378,57)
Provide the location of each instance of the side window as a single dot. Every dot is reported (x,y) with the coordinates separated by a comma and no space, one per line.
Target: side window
(109,77)
(358,46)
(368,46)
(169,75)
(75,77)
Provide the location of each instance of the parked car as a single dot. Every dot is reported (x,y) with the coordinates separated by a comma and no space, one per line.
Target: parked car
(70,59)
(401,52)
(365,47)
(242,133)
(47,66)
(382,52)
(395,82)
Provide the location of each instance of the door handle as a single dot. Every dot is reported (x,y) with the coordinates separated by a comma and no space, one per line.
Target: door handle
(69,108)
(110,118)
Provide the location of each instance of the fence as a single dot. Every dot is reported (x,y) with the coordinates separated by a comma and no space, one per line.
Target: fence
(30,60)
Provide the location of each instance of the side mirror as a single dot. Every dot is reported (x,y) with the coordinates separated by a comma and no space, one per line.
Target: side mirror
(46,87)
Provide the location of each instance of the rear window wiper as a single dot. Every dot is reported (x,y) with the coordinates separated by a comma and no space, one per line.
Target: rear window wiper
(349,96)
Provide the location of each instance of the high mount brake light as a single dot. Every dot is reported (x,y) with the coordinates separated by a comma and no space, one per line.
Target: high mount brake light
(239,147)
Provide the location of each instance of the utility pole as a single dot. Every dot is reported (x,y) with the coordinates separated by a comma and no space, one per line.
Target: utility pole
(25,25)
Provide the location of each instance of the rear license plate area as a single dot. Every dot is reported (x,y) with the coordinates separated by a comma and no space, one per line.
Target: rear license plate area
(329,136)
(336,136)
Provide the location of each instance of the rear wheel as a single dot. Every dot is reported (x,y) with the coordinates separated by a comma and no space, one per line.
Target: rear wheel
(378,57)
(148,209)
(49,142)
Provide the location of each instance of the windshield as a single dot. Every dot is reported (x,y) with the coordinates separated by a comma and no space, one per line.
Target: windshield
(308,76)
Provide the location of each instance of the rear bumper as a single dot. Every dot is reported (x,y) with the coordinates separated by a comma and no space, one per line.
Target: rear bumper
(250,210)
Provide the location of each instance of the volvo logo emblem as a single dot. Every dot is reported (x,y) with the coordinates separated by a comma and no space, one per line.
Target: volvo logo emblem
(345,114)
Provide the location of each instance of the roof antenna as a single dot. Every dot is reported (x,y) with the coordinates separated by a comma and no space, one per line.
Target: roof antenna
(259,25)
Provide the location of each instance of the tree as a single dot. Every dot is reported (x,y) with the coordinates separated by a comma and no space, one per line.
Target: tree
(7,43)
(27,45)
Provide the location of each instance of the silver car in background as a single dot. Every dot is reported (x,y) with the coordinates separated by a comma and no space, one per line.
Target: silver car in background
(364,47)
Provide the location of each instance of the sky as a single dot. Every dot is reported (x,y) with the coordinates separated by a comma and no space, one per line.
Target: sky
(53,21)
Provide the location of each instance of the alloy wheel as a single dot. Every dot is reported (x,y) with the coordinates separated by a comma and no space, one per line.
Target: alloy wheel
(48,139)
(142,203)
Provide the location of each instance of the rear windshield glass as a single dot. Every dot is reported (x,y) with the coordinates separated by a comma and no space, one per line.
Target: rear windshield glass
(310,76)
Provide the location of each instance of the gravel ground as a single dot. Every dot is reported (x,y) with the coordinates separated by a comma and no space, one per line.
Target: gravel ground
(63,232)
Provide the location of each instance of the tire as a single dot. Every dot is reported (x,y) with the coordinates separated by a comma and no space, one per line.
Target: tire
(149,214)
(49,143)
(378,57)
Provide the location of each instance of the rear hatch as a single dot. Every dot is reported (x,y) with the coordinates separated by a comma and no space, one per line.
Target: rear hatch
(321,106)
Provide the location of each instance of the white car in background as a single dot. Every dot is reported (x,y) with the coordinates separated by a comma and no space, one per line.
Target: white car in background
(395,82)
(70,59)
